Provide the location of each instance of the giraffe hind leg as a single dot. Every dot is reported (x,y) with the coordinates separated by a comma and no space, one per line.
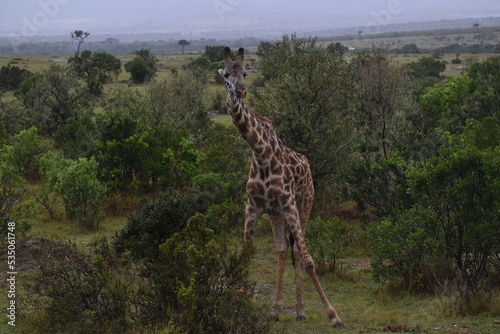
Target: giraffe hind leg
(278,227)
(299,304)
(297,264)
(308,263)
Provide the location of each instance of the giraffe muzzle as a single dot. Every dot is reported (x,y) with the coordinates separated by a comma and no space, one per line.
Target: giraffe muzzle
(241,93)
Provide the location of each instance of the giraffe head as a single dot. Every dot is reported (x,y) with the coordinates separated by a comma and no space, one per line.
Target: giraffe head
(234,73)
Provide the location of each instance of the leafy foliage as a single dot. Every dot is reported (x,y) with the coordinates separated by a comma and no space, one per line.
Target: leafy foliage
(179,101)
(448,234)
(11,77)
(326,239)
(96,69)
(76,292)
(25,153)
(198,283)
(143,67)
(52,99)
(13,193)
(159,219)
(213,292)
(79,187)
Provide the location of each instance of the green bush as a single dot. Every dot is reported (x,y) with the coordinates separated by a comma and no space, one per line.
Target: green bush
(157,220)
(448,237)
(52,98)
(325,240)
(128,154)
(11,77)
(13,193)
(78,138)
(95,69)
(197,283)
(180,100)
(143,67)
(212,291)
(25,153)
(77,292)
(79,187)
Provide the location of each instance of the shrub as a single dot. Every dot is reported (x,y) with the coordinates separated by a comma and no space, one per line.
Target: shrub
(76,292)
(213,293)
(13,118)
(157,220)
(77,183)
(198,284)
(143,67)
(96,69)
(180,101)
(11,77)
(128,154)
(448,236)
(12,194)
(25,152)
(54,97)
(325,240)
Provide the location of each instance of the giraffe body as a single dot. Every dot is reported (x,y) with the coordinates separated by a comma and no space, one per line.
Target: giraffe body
(279,184)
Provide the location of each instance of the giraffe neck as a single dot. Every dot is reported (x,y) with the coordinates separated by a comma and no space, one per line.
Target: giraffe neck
(256,130)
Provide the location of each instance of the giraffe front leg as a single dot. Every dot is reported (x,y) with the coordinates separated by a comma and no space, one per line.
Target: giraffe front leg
(278,302)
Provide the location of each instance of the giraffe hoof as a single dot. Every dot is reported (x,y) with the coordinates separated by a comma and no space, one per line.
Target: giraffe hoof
(339,325)
(300,318)
(275,318)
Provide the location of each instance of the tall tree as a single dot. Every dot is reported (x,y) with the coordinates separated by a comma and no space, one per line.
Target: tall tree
(183,43)
(79,36)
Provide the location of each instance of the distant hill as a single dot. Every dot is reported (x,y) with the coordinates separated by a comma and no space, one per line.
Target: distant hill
(461,34)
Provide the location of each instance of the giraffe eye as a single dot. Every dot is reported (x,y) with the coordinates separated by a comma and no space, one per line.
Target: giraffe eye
(244,75)
(226,75)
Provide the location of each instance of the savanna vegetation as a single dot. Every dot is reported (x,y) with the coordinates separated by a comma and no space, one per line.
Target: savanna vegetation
(149,188)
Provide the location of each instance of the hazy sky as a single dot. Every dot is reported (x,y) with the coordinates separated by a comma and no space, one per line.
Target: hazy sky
(50,16)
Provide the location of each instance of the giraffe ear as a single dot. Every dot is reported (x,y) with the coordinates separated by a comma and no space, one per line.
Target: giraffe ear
(227,54)
(241,55)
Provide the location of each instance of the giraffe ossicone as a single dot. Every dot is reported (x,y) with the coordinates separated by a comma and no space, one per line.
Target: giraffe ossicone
(279,184)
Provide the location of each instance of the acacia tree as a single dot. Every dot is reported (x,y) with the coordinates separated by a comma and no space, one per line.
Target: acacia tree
(183,43)
(79,36)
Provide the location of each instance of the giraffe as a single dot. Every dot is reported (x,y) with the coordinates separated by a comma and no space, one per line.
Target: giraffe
(279,184)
